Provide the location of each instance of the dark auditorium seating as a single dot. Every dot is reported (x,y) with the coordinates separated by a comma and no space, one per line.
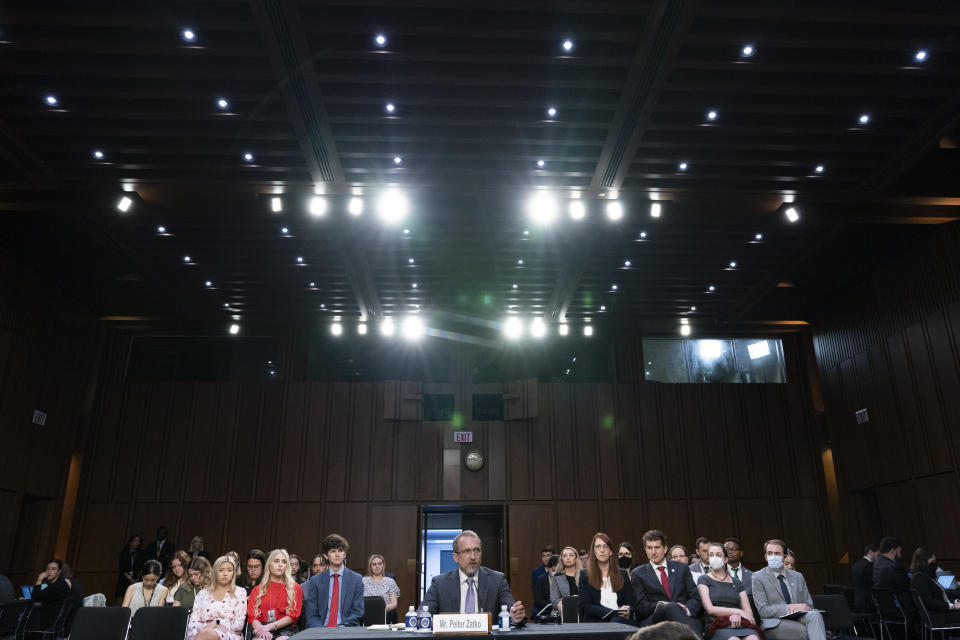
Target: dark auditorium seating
(374,611)
(100,623)
(159,623)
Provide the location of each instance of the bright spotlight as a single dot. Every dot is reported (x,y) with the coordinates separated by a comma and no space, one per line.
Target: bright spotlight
(614,210)
(542,208)
(578,210)
(276,205)
(234,329)
(392,206)
(413,328)
(758,349)
(362,328)
(587,331)
(124,204)
(538,328)
(355,206)
(655,209)
(513,328)
(684,329)
(568,45)
(387,328)
(317,206)
(792,214)
(710,350)
(336,329)
(563,330)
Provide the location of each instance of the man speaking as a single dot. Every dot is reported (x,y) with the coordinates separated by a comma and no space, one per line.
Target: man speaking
(471,588)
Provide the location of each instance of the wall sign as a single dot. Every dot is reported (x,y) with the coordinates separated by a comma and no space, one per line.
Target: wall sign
(39,417)
(463,436)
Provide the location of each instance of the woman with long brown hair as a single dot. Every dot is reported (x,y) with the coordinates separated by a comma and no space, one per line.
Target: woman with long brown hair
(176,574)
(605,591)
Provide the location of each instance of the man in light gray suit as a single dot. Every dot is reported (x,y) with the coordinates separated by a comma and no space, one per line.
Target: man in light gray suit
(734,550)
(777,592)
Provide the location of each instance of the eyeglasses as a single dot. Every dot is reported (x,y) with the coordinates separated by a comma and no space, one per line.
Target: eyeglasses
(469,552)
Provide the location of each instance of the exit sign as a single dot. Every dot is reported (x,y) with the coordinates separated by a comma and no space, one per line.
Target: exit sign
(463,436)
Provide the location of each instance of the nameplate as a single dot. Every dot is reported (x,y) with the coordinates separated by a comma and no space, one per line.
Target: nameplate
(462,623)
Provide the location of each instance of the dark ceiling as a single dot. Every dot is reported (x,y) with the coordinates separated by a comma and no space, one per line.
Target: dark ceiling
(472,84)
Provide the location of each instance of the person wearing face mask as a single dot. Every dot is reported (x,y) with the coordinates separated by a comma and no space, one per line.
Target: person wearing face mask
(777,592)
(725,600)
(923,579)
(625,556)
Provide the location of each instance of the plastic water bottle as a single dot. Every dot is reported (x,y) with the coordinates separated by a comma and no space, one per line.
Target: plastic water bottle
(425,620)
(411,620)
(504,618)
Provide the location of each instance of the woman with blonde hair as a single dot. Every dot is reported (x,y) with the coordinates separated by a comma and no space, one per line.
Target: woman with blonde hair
(378,583)
(566,581)
(276,602)
(218,611)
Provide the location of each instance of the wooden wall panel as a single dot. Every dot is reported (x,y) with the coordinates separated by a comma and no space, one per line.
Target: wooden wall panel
(933,433)
(249,528)
(802,528)
(756,519)
(199,443)
(361,437)
(393,532)
(100,551)
(245,440)
(174,446)
(564,449)
(148,516)
(940,495)
(104,440)
(201,519)
(529,527)
(349,519)
(799,425)
(497,464)
(316,452)
(712,519)
(651,442)
(695,444)
(608,442)
(673,518)
(628,430)
(221,458)
(268,445)
(291,442)
(578,521)
(298,528)
(623,520)
(586,421)
(429,456)
(757,445)
(129,464)
(900,513)
(784,468)
(518,448)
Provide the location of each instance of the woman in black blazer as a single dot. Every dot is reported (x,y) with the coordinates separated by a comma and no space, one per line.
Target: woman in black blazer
(605,591)
(923,580)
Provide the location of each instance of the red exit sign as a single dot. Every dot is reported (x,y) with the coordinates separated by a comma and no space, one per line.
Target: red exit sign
(463,436)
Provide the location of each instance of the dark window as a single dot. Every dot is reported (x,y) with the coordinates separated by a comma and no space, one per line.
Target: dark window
(438,407)
(488,406)
(736,360)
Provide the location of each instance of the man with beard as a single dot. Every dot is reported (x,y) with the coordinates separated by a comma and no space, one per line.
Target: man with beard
(888,573)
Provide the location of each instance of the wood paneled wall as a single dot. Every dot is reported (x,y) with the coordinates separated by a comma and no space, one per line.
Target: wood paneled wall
(284,463)
(892,348)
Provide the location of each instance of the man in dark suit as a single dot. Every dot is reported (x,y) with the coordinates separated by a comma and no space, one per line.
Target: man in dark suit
(887,573)
(161,549)
(663,589)
(541,589)
(541,570)
(862,574)
(334,597)
(471,588)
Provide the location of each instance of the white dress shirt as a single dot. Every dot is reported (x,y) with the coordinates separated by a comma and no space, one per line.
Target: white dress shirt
(608,597)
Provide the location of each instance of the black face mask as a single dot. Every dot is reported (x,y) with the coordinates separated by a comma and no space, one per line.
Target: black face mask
(624,562)
(932,568)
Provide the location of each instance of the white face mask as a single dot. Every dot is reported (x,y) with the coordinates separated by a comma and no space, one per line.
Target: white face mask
(775,562)
(716,562)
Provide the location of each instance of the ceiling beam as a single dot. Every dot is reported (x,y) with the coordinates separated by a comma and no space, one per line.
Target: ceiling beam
(15,151)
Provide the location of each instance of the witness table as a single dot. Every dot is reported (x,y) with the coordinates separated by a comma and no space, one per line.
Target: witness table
(582,631)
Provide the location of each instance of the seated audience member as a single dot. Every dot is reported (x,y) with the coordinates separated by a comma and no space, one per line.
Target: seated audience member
(253,569)
(318,565)
(161,549)
(626,557)
(196,549)
(923,578)
(661,580)
(147,592)
(605,591)
(734,550)
(296,568)
(219,611)
(778,591)
(334,598)
(541,569)
(666,631)
(679,553)
(176,574)
(7,594)
(862,575)
(129,562)
(76,589)
(471,587)
(887,556)
(892,576)
(584,557)
(565,582)
(700,565)
(235,558)
(274,605)
(541,590)
(50,591)
(725,601)
(790,560)
(199,577)
(377,583)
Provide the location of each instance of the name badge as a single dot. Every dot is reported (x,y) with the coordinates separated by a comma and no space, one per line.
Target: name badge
(477,624)
(271,615)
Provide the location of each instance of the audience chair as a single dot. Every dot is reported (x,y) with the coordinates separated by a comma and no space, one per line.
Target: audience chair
(374,611)
(13,617)
(927,628)
(836,613)
(570,609)
(889,612)
(55,630)
(101,623)
(159,623)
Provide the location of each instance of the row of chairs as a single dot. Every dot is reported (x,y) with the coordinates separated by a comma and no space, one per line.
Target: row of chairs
(889,614)
(15,619)
(95,623)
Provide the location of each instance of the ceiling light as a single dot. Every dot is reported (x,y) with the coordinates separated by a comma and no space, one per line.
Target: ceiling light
(411,261)
(711,288)
(276,205)
(51,101)
(552,112)
(792,214)
(684,321)
(390,107)
(336,329)
(733,265)
(712,115)
(709,350)
(362,328)
(513,328)
(97,154)
(386,327)
(414,285)
(682,166)
(380,40)
(643,235)
(758,349)
(538,328)
(208,284)
(355,206)
(627,263)
(568,45)
(187,259)
(247,157)
(747,51)
(514,286)
(684,329)
(577,210)
(563,329)
(323,306)
(758,237)
(588,331)
(124,204)
(406,232)
(520,262)
(819,168)
(284,231)
(161,229)
(542,208)
(655,209)
(526,232)
(413,328)
(234,329)
(392,206)
(614,210)
(188,35)
(614,287)
(864,118)
(541,163)
(223,103)
(312,285)
(317,206)
(226,305)
(603,307)
(299,259)
(693,308)
(921,55)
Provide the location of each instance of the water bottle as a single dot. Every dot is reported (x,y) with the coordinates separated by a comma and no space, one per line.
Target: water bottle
(411,620)
(504,618)
(425,620)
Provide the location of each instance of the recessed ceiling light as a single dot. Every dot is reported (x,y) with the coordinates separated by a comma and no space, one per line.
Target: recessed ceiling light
(323,306)
(603,307)
(188,35)
(234,329)
(747,51)
(414,285)
(247,157)
(538,328)
(520,262)
(526,232)
(97,154)
(276,204)
(51,101)
(380,40)
(655,209)
(758,237)
(733,264)
(614,210)
(712,115)
(187,259)
(552,112)
(542,208)
(514,286)
(226,305)
(587,331)
(413,328)
(336,329)
(682,166)
(312,285)
(792,214)
(410,260)
(161,229)
(392,206)
(362,328)
(397,160)
(541,163)
(223,103)
(711,288)
(693,308)
(124,204)
(568,45)
(355,206)
(406,232)
(513,328)
(864,118)
(563,329)
(208,284)
(317,206)
(921,55)
(285,230)
(390,107)
(684,329)
(614,287)
(299,259)
(627,263)
(577,210)
(643,235)
(819,168)
(386,327)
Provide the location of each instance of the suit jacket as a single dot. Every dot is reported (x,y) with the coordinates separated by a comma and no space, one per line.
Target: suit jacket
(768,597)
(862,575)
(746,577)
(316,593)
(697,569)
(560,588)
(163,556)
(593,611)
(443,596)
(881,563)
(893,576)
(539,571)
(647,590)
(541,593)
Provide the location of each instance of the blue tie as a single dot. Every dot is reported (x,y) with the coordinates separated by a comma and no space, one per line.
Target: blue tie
(783,587)
(470,602)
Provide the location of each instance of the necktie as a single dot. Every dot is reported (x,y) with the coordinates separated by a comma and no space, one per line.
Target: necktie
(334,602)
(736,573)
(664,581)
(783,587)
(470,603)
